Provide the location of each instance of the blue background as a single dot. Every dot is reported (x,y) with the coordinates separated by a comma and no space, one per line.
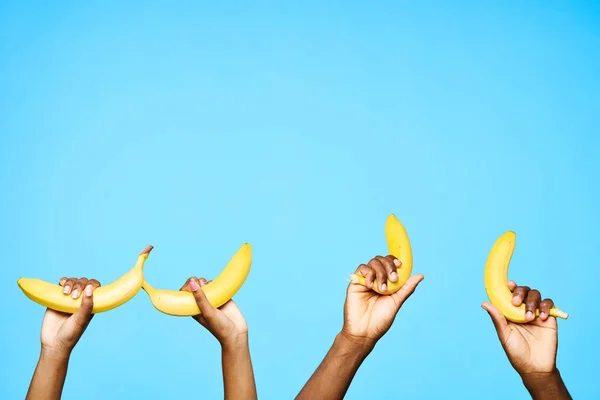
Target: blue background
(299,128)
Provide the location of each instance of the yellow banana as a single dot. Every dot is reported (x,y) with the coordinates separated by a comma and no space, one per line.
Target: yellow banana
(218,292)
(496,280)
(398,246)
(105,297)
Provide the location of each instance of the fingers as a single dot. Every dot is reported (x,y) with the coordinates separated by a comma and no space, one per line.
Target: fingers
(520,294)
(78,287)
(545,307)
(203,304)
(532,302)
(95,284)
(390,264)
(186,285)
(380,273)
(84,315)
(74,287)
(500,323)
(407,289)
(67,284)
(368,273)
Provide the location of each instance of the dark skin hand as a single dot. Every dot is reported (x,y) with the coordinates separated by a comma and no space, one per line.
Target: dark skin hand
(531,347)
(368,315)
(228,326)
(60,333)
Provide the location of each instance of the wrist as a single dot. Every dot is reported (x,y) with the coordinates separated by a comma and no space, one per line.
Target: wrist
(235,342)
(358,344)
(538,382)
(56,355)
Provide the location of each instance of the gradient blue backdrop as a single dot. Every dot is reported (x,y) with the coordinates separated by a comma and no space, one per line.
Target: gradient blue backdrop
(298,128)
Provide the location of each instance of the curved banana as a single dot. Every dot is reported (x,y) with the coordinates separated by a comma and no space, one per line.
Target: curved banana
(496,280)
(398,246)
(105,297)
(218,292)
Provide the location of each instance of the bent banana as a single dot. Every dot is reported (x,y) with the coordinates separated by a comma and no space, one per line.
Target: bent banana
(105,297)
(496,280)
(398,246)
(218,292)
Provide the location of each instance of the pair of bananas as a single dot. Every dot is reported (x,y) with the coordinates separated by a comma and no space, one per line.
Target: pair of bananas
(233,276)
(171,302)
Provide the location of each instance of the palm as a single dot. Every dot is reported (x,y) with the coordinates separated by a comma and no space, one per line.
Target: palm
(233,313)
(228,321)
(532,347)
(369,314)
(56,329)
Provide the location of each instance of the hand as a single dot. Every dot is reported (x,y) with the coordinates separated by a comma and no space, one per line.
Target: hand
(531,347)
(227,323)
(368,315)
(62,331)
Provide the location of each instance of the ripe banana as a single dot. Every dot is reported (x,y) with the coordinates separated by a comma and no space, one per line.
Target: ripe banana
(105,297)
(218,292)
(496,280)
(399,247)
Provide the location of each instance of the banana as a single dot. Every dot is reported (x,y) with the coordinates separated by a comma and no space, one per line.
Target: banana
(398,246)
(496,280)
(105,297)
(218,292)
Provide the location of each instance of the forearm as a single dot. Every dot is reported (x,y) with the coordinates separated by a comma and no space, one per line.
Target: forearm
(238,376)
(49,376)
(332,378)
(546,386)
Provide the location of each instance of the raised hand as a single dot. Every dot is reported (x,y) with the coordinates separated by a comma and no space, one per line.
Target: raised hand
(225,323)
(61,331)
(368,315)
(531,347)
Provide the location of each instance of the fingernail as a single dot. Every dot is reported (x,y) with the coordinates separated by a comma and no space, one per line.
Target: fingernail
(66,289)
(75,293)
(397,262)
(543,315)
(194,286)
(529,315)
(394,276)
(89,290)
(383,287)
(515,300)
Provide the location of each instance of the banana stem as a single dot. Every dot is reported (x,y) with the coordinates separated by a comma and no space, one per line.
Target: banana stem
(147,250)
(555,312)
(357,279)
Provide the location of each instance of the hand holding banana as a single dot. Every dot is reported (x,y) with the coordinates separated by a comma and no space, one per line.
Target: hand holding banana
(399,247)
(106,297)
(497,285)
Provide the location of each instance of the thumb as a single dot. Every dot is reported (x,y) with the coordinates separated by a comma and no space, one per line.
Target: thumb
(203,304)
(500,323)
(84,315)
(407,289)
